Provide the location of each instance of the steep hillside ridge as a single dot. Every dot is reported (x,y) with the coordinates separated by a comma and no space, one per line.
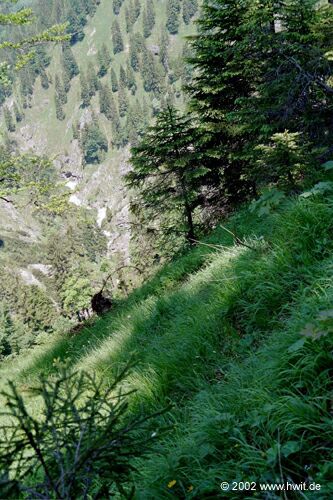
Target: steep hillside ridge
(100,186)
(238,338)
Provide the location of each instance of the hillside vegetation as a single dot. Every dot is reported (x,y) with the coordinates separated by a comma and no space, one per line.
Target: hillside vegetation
(166,304)
(239,339)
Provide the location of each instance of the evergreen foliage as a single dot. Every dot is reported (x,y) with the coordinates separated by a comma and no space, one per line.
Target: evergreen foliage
(130,77)
(241,97)
(18,113)
(82,446)
(104,60)
(117,40)
(148,19)
(70,66)
(85,91)
(44,79)
(122,77)
(167,168)
(114,81)
(151,73)
(94,143)
(60,90)
(116,6)
(136,47)
(106,103)
(122,101)
(92,79)
(173,10)
(9,120)
(190,8)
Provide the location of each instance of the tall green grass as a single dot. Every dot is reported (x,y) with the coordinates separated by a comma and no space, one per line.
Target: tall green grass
(218,333)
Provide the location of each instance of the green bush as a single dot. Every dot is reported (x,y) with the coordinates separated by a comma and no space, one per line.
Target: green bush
(80,446)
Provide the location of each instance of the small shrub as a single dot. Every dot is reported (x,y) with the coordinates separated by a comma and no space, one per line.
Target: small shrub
(81,446)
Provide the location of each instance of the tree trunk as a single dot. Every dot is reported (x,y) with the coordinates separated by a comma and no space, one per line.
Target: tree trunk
(190,236)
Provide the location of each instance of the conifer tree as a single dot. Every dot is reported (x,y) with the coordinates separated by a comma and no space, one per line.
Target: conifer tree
(9,120)
(104,60)
(122,101)
(116,6)
(136,9)
(135,122)
(76,131)
(221,81)
(85,94)
(6,332)
(94,143)
(92,80)
(190,8)
(167,168)
(173,9)
(261,69)
(135,49)
(164,45)
(18,113)
(44,79)
(122,77)
(60,90)
(148,19)
(70,66)
(130,77)
(106,103)
(118,45)
(128,20)
(151,73)
(114,81)
(59,109)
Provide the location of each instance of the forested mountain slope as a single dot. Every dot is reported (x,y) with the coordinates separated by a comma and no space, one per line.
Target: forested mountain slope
(83,104)
(239,338)
(210,375)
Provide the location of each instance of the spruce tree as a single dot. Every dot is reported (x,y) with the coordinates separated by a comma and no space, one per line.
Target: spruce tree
(69,63)
(116,6)
(104,60)
(190,8)
(164,45)
(167,168)
(18,113)
(148,19)
(118,45)
(136,9)
(94,143)
(221,81)
(9,120)
(173,9)
(136,45)
(59,109)
(6,331)
(128,20)
(106,103)
(122,77)
(60,90)
(92,80)
(114,81)
(85,94)
(44,79)
(151,73)
(130,77)
(122,101)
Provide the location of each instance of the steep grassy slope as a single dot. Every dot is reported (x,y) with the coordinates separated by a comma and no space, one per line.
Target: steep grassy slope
(239,339)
